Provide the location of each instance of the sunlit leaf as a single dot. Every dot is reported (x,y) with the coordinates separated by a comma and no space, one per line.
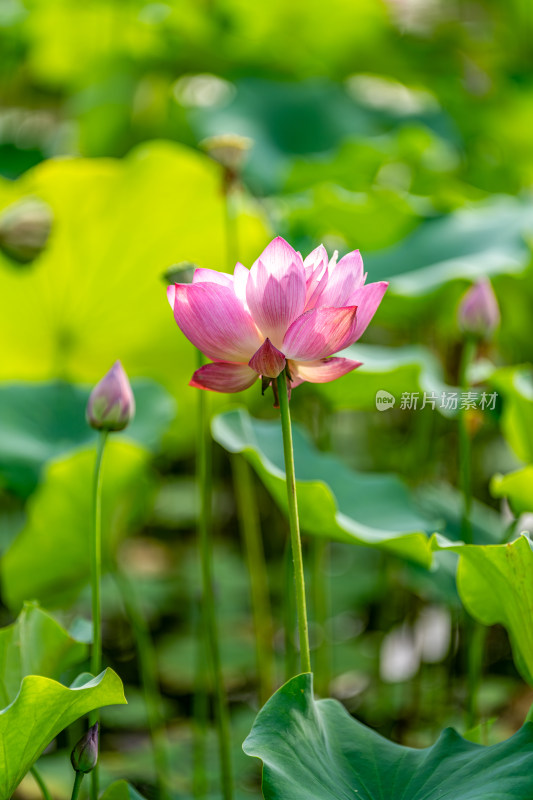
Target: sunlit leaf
(96,293)
(50,558)
(41,710)
(516,386)
(334,501)
(314,750)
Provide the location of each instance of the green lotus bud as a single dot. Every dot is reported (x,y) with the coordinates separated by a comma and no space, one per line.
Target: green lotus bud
(24,229)
(85,754)
(229,149)
(111,404)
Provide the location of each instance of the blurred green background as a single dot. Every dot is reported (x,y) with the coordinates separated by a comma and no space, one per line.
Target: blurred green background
(399,127)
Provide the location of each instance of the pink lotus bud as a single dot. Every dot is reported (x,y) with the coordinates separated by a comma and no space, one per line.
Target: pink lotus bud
(84,757)
(479,313)
(111,405)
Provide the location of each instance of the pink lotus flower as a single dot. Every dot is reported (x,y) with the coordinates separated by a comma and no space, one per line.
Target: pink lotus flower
(283,313)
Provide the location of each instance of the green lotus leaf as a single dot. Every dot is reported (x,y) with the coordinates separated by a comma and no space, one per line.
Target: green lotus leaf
(121,790)
(515,384)
(35,644)
(494,584)
(516,487)
(96,293)
(334,501)
(314,750)
(39,422)
(49,560)
(41,710)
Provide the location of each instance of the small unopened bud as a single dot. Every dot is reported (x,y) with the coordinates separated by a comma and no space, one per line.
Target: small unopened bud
(85,754)
(111,404)
(182,272)
(229,149)
(24,229)
(479,314)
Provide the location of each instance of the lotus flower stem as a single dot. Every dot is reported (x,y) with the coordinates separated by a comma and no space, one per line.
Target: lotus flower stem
(230,221)
(255,557)
(78,777)
(96,577)
(148,674)
(294,523)
(211,628)
(39,780)
(289,613)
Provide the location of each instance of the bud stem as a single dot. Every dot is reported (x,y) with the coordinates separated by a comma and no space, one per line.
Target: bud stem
(40,782)
(77,783)
(96,577)
(294,523)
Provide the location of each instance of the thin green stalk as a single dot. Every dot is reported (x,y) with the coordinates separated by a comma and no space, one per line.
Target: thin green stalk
(289,613)
(321,609)
(148,673)
(465,449)
(255,558)
(294,523)
(230,221)
(211,628)
(473,632)
(40,783)
(77,783)
(200,706)
(96,579)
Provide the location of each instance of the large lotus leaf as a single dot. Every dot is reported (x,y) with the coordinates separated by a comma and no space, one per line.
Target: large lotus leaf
(314,750)
(516,487)
(334,501)
(393,369)
(495,586)
(121,790)
(487,239)
(515,384)
(96,293)
(41,710)
(42,421)
(50,558)
(35,644)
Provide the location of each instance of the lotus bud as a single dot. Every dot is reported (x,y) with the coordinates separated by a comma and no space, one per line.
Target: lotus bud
(24,230)
(85,754)
(479,314)
(229,149)
(111,405)
(182,272)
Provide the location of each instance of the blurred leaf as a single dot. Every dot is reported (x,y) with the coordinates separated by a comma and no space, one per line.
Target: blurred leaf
(41,710)
(96,293)
(49,559)
(35,645)
(397,370)
(485,239)
(494,583)
(516,386)
(334,501)
(121,790)
(314,750)
(39,422)
(516,487)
